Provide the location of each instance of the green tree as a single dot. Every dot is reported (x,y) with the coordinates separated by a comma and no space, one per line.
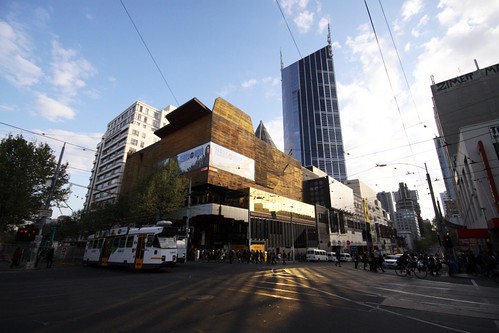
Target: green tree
(24,170)
(162,192)
(104,217)
(430,241)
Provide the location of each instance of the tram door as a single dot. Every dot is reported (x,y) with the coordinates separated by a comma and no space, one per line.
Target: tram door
(139,253)
(106,250)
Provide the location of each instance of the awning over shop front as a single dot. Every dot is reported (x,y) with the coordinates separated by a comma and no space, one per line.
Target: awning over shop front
(473,233)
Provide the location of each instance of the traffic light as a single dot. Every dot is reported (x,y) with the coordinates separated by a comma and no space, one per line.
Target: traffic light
(447,242)
(26,234)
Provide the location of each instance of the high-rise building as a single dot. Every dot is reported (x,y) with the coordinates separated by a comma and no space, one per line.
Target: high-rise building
(130,131)
(407,216)
(467,113)
(311,117)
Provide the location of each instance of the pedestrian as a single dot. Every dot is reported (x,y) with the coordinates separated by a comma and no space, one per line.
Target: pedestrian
(231,256)
(16,258)
(365,258)
(356,260)
(370,261)
(273,258)
(50,257)
(338,259)
(378,260)
(284,257)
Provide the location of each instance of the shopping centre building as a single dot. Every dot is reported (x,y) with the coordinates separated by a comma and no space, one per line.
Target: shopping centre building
(246,192)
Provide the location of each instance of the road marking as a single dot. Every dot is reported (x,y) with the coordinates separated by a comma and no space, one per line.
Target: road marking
(378,308)
(429,296)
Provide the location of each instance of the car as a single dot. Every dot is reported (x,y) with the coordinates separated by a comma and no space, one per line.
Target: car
(345,257)
(391,261)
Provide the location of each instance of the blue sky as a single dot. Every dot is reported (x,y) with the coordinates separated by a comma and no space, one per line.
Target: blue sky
(68,67)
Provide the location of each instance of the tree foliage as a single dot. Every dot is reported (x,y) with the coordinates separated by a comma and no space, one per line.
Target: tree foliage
(429,241)
(160,193)
(104,217)
(24,170)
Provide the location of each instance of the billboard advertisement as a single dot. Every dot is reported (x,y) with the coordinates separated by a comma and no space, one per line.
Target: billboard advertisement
(218,157)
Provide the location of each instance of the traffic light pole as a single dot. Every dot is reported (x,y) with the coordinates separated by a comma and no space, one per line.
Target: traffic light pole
(35,246)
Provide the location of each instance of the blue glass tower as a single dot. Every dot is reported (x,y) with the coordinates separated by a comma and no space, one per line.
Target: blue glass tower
(312,128)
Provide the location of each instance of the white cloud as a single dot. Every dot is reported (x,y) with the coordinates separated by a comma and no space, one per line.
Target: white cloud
(304,21)
(275,129)
(273,81)
(466,30)
(68,70)
(322,25)
(80,153)
(52,109)
(16,59)
(8,108)
(290,6)
(411,8)
(226,91)
(249,83)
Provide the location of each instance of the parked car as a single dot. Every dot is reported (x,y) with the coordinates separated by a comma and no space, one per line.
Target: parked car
(391,261)
(331,256)
(345,257)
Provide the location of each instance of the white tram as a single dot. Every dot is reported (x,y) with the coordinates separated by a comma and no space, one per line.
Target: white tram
(137,248)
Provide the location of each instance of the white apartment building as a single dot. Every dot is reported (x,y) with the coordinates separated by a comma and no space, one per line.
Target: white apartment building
(130,131)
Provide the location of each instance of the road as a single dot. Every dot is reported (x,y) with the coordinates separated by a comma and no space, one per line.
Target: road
(220,297)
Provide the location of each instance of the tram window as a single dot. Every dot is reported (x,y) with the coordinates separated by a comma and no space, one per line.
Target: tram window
(129,241)
(150,239)
(94,245)
(115,243)
(90,244)
(122,242)
(101,242)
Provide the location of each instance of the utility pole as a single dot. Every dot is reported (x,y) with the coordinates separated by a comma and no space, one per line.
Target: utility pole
(187,221)
(39,238)
(438,216)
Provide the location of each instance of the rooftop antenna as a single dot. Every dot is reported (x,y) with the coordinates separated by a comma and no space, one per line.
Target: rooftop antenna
(329,47)
(476,64)
(282,63)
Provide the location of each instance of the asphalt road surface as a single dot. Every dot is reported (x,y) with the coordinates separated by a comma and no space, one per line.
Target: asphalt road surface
(222,297)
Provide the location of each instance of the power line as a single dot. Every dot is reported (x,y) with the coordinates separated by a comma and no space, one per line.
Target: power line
(150,54)
(287,25)
(46,136)
(388,75)
(400,61)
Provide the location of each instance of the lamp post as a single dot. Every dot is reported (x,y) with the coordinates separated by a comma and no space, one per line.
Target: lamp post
(47,213)
(438,216)
(187,221)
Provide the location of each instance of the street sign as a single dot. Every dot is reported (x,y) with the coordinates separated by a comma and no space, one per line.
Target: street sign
(45,213)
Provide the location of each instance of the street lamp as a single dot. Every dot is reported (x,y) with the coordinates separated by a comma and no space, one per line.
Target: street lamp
(438,216)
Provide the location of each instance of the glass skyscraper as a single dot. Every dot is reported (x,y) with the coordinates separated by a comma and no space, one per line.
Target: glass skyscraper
(312,128)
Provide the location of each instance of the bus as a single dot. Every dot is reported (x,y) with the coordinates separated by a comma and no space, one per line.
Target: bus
(314,254)
(148,247)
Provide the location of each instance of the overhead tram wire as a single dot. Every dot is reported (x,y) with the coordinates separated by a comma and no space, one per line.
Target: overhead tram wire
(48,137)
(149,51)
(400,60)
(388,76)
(287,25)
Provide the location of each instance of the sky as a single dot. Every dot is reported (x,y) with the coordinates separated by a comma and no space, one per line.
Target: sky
(67,68)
